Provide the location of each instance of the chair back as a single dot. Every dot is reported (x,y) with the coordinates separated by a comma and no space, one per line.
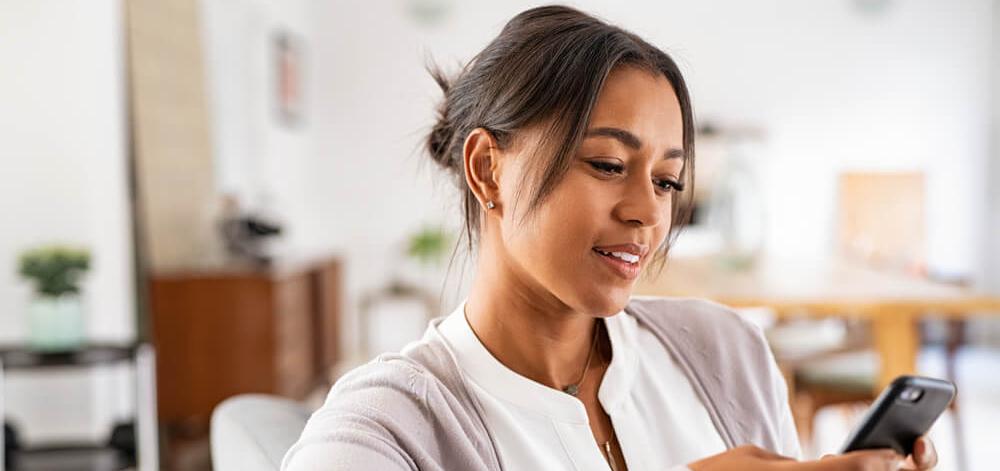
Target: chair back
(881,219)
(252,432)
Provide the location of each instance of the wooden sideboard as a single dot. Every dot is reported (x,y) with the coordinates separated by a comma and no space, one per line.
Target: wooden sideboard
(220,333)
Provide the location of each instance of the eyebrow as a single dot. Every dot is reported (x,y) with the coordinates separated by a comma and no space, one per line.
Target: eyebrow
(630,140)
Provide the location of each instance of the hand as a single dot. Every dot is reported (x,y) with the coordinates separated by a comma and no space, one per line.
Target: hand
(751,458)
(924,456)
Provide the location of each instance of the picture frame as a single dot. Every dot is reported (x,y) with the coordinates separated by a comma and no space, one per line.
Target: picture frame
(287,60)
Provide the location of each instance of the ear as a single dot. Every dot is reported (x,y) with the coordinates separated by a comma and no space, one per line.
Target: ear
(482,160)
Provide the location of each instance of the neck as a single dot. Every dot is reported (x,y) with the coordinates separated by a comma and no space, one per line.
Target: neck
(530,332)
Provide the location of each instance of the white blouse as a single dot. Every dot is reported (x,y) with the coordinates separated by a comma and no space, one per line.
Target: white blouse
(659,421)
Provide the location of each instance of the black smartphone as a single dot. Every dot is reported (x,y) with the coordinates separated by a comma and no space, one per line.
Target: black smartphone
(904,411)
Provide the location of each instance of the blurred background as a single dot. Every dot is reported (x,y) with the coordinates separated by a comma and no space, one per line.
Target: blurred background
(209,198)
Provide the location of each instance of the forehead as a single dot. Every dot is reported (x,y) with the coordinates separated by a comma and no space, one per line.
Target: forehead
(641,102)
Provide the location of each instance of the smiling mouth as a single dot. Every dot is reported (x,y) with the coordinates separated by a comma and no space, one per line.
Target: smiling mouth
(624,256)
(619,263)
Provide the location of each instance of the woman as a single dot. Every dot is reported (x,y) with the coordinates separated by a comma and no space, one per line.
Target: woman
(573,144)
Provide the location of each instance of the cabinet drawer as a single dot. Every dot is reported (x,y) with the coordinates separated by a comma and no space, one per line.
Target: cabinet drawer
(294,336)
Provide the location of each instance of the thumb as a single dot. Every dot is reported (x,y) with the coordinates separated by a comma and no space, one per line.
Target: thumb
(887,460)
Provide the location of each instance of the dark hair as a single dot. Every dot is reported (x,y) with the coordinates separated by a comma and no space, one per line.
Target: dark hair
(547,67)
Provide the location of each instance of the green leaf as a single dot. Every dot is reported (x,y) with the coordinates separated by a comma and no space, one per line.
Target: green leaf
(54,269)
(428,245)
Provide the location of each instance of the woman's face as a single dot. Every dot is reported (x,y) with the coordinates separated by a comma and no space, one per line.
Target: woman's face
(617,192)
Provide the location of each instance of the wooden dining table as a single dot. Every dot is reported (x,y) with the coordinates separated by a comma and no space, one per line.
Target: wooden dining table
(891,302)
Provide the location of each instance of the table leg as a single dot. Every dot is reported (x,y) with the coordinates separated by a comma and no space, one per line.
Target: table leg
(147,438)
(3,421)
(897,340)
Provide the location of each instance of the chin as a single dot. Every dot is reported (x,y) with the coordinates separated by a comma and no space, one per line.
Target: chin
(605,303)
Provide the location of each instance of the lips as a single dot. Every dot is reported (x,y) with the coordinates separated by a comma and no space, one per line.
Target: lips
(634,249)
(614,257)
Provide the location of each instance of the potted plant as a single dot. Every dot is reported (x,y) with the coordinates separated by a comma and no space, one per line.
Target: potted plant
(428,245)
(398,311)
(55,317)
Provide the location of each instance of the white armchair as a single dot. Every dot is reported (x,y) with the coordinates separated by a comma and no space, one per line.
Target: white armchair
(252,432)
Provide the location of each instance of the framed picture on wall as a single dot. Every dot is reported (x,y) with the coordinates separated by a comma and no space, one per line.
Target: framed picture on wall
(288,77)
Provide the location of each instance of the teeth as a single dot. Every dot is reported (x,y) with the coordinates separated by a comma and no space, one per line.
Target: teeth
(621,255)
(626,256)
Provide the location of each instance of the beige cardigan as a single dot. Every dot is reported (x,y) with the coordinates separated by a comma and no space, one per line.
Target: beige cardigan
(412,411)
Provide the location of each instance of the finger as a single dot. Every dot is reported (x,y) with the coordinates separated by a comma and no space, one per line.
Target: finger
(887,460)
(766,454)
(924,454)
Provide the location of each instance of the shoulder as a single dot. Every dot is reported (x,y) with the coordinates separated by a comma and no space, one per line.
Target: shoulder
(399,384)
(386,382)
(729,361)
(386,394)
(695,316)
(708,336)
(364,416)
(379,415)
(396,410)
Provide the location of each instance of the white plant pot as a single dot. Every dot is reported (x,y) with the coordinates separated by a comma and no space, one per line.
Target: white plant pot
(55,323)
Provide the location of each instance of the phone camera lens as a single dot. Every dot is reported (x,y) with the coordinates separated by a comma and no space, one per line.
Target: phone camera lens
(911,394)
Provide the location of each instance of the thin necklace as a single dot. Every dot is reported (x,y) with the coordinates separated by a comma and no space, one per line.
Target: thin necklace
(574,389)
(607,450)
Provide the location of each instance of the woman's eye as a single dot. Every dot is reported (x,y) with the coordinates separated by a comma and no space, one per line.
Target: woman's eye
(669,185)
(607,167)
(665,185)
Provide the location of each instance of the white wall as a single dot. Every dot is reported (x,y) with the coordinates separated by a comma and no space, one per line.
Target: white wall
(835,87)
(329,204)
(258,157)
(63,179)
(992,241)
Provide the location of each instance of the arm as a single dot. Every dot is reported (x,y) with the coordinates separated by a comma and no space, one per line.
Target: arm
(367,422)
(788,436)
(346,450)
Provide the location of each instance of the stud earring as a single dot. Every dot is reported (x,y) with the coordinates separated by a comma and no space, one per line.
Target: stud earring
(490,205)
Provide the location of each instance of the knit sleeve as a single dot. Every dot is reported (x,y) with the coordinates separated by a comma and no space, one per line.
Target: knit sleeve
(346,450)
(788,437)
(364,423)
(730,363)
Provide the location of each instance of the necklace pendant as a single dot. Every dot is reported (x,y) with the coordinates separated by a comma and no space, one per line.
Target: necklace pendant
(572,389)
(611,458)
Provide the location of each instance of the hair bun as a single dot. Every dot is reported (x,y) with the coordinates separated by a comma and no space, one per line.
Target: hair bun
(439,141)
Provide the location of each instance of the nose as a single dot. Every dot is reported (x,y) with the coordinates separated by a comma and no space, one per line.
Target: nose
(640,205)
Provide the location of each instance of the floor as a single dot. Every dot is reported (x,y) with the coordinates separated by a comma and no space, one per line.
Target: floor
(69,460)
(979,400)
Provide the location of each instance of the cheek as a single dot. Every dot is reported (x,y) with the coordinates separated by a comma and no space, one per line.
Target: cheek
(560,231)
(554,244)
(574,214)
(663,230)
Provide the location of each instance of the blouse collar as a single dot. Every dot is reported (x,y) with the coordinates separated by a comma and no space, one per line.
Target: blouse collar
(479,365)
